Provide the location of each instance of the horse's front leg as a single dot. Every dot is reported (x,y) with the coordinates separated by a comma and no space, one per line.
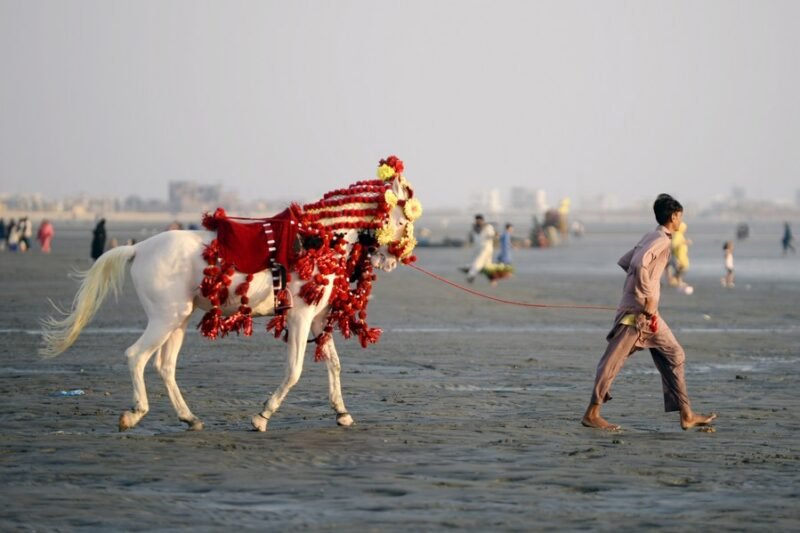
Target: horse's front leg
(343,418)
(299,324)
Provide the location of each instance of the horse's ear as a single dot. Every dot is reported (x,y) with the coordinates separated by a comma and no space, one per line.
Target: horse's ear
(397,188)
(402,189)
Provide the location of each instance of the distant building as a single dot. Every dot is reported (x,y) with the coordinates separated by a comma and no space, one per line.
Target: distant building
(487,201)
(495,205)
(530,200)
(738,196)
(188,196)
(604,202)
(137,204)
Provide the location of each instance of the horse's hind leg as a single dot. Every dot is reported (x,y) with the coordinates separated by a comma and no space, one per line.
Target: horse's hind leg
(297,340)
(166,362)
(343,418)
(138,354)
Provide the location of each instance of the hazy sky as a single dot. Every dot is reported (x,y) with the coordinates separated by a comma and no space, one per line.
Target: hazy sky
(291,99)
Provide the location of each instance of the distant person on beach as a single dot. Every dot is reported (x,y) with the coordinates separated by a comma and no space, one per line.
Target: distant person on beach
(505,245)
(482,237)
(538,236)
(742,231)
(787,239)
(727,250)
(2,234)
(638,324)
(25,231)
(99,239)
(45,235)
(12,236)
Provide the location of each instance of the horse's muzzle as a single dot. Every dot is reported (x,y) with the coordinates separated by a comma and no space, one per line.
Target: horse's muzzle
(384,262)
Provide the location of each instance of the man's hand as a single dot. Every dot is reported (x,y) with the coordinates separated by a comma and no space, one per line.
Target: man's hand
(654,323)
(649,321)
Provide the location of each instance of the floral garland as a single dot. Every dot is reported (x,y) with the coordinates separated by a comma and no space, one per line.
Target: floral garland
(495,271)
(365,206)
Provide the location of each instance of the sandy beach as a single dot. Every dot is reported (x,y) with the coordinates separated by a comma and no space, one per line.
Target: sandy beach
(467,411)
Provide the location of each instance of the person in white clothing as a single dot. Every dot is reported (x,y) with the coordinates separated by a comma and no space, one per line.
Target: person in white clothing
(482,237)
(727,249)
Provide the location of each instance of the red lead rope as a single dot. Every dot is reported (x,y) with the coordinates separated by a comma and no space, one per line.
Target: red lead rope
(509,302)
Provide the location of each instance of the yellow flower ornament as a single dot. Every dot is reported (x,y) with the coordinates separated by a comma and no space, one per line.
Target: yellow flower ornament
(384,235)
(385,172)
(412,209)
(390,197)
(407,244)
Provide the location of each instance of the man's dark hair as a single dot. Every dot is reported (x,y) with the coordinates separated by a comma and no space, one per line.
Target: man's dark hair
(478,217)
(664,206)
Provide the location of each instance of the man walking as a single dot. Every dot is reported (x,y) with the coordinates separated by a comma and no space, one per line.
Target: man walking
(638,324)
(482,237)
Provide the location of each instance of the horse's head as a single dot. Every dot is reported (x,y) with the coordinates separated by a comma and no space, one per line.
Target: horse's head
(395,238)
(380,213)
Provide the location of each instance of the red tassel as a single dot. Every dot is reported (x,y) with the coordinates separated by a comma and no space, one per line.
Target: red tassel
(320,354)
(207,286)
(369,335)
(305,265)
(344,326)
(242,289)
(209,222)
(247,325)
(211,252)
(277,325)
(210,323)
(312,292)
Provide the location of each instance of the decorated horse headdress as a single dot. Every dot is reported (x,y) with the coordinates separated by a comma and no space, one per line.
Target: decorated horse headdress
(385,208)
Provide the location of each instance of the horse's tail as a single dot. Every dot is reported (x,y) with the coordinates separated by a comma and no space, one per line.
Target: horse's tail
(108,273)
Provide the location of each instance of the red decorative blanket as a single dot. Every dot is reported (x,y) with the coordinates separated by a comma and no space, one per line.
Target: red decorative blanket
(253,246)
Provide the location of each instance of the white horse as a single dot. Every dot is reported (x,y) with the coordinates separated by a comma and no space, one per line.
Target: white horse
(168,269)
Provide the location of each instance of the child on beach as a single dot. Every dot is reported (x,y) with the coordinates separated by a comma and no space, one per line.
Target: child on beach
(638,324)
(679,261)
(727,280)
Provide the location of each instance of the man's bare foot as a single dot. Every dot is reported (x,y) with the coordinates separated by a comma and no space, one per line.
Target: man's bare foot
(690,419)
(592,419)
(598,422)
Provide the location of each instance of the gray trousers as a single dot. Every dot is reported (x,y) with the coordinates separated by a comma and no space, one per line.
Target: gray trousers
(668,356)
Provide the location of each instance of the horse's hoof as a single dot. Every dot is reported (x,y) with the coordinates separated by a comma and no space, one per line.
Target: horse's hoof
(194,425)
(259,422)
(344,419)
(126,421)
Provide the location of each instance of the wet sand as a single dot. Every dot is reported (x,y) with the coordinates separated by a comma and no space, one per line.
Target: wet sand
(467,412)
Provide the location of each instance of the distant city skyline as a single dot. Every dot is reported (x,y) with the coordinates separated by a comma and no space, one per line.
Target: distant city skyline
(290,100)
(192,197)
